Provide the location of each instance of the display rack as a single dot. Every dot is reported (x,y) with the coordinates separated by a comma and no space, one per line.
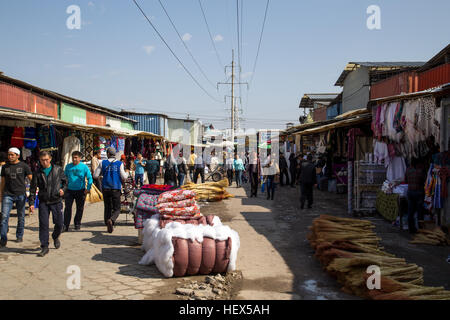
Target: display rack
(369,178)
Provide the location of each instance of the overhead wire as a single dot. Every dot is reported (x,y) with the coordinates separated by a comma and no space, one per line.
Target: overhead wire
(173,53)
(260,40)
(185,45)
(210,35)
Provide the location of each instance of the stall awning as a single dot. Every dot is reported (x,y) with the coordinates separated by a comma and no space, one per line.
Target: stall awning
(338,124)
(41,119)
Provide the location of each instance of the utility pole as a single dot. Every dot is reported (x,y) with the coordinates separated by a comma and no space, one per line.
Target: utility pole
(234,114)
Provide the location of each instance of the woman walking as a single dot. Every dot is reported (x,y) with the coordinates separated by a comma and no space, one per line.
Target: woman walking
(238,167)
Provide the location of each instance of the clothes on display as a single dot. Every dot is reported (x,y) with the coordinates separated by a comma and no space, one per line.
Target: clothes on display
(70,144)
(396,169)
(410,123)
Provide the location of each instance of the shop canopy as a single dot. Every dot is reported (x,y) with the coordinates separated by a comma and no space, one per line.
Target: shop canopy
(12,115)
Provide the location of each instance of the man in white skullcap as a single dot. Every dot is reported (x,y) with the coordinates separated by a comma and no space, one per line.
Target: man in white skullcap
(13,190)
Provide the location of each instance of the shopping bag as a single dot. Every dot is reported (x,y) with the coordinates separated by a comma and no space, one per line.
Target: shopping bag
(263,186)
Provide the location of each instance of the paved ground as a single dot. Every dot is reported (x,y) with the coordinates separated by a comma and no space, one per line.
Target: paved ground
(277,261)
(275,258)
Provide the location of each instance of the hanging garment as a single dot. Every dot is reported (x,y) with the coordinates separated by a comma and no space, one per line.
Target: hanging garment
(88,146)
(383,117)
(30,141)
(381,153)
(352,133)
(426,115)
(47,137)
(396,169)
(409,123)
(121,145)
(17,138)
(70,144)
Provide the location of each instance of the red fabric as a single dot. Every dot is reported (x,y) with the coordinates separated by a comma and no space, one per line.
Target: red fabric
(17,138)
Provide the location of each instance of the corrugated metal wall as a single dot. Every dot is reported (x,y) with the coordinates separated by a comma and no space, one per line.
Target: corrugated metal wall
(147,123)
(72,114)
(334,110)
(320,114)
(96,119)
(356,92)
(20,99)
(434,77)
(405,82)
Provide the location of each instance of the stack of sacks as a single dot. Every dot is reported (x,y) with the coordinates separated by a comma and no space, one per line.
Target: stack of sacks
(145,207)
(187,249)
(178,205)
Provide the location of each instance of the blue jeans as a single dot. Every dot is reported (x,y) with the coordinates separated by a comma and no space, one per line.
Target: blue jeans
(7,204)
(139,179)
(238,174)
(181,179)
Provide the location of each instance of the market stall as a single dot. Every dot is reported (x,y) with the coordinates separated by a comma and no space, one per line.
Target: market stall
(405,128)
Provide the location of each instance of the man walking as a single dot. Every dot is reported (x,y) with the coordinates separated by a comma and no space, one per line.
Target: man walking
(308,179)
(415,177)
(238,167)
(51,181)
(229,164)
(13,191)
(199,168)
(76,172)
(293,168)
(254,173)
(113,173)
(95,162)
(152,168)
(283,170)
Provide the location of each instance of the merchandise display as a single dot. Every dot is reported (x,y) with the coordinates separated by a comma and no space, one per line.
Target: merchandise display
(188,249)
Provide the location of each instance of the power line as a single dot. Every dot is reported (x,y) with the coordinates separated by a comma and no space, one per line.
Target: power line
(185,45)
(210,35)
(173,53)
(260,40)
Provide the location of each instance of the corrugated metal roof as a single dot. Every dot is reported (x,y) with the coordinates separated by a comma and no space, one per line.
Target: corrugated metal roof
(61,97)
(439,58)
(309,99)
(377,66)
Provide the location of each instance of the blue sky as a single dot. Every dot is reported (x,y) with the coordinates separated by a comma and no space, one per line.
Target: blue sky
(117,60)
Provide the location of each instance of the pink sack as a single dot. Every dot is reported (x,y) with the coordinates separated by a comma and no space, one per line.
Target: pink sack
(176,195)
(177,204)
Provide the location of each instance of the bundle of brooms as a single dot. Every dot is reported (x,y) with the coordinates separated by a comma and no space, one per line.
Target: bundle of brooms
(94,195)
(434,237)
(346,247)
(209,191)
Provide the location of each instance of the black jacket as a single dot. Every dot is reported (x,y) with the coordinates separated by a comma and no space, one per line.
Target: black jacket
(48,186)
(308,173)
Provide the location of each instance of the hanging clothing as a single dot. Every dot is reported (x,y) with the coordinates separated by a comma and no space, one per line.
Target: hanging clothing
(396,169)
(17,138)
(381,153)
(70,144)
(47,137)
(352,133)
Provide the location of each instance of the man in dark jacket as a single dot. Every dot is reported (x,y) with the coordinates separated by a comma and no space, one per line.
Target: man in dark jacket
(293,168)
(307,181)
(51,181)
(283,170)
